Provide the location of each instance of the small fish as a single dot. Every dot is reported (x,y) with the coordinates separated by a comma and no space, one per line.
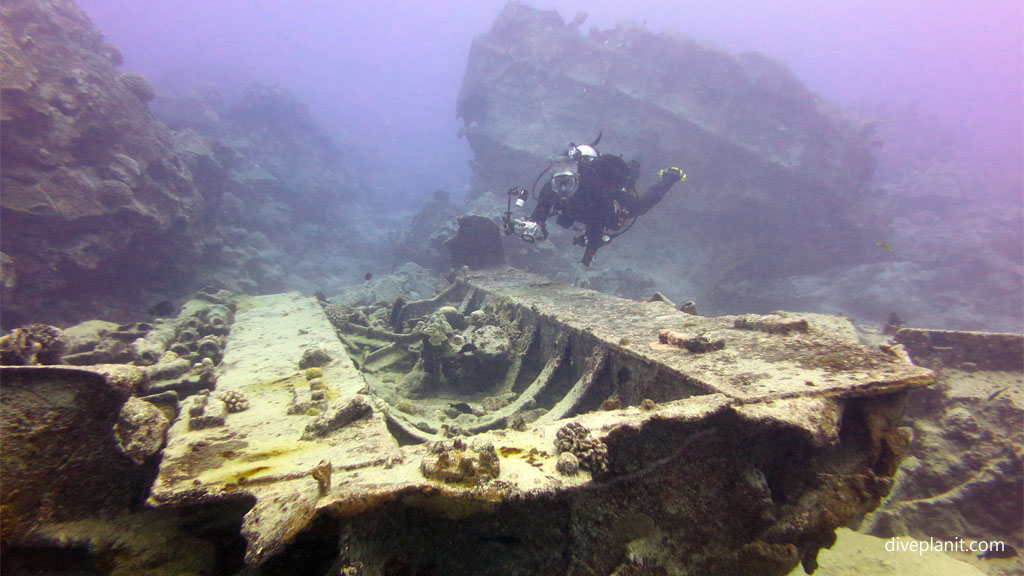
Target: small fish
(368,277)
(887,246)
(462,407)
(996,394)
(1006,552)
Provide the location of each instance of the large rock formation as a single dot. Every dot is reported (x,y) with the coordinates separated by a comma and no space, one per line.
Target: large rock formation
(778,180)
(954,259)
(98,200)
(107,211)
(284,219)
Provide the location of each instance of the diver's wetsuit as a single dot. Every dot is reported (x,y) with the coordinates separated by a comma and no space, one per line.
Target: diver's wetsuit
(602,183)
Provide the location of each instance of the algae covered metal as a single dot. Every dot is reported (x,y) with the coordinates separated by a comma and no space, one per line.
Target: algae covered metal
(740,459)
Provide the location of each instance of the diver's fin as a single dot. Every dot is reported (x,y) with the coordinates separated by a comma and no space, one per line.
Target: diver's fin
(599,133)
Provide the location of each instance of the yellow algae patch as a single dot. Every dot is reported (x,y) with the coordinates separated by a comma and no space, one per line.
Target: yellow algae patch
(241,467)
(248,475)
(269,454)
(276,385)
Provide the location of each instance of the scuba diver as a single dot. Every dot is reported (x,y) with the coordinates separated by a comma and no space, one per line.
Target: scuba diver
(595,190)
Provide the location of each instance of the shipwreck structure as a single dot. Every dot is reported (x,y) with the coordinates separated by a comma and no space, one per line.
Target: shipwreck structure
(508,425)
(779,179)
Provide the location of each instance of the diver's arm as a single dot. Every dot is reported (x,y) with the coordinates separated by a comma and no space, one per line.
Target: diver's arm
(545,201)
(657,191)
(652,196)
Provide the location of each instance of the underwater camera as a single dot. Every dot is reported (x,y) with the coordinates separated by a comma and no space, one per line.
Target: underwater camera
(523,229)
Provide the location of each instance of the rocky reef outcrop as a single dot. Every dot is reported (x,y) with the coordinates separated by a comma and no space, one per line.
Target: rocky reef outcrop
(423,240)
(94,188)
(779,181)
(288,211)
(954,259)
(477,244)
(107,210)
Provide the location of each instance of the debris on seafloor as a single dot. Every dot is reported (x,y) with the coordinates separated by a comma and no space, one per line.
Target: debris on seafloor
(322,474)
(772,324)
(180,354)
(338,415)
(698,344)
(658,297)
(206,412)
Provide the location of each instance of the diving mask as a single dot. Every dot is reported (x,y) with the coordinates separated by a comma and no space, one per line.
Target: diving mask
(564,184)
(565,181)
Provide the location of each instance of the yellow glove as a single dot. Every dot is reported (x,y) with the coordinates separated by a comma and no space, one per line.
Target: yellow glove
(674,174)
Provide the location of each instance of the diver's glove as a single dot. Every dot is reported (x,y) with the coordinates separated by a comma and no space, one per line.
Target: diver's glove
(672,174)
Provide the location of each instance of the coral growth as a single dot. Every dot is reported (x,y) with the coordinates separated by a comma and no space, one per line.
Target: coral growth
(437,330)
(234,400)
(568,464)
(459,464)
(574,438)
(70,121)
(314,358)
(32,344)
